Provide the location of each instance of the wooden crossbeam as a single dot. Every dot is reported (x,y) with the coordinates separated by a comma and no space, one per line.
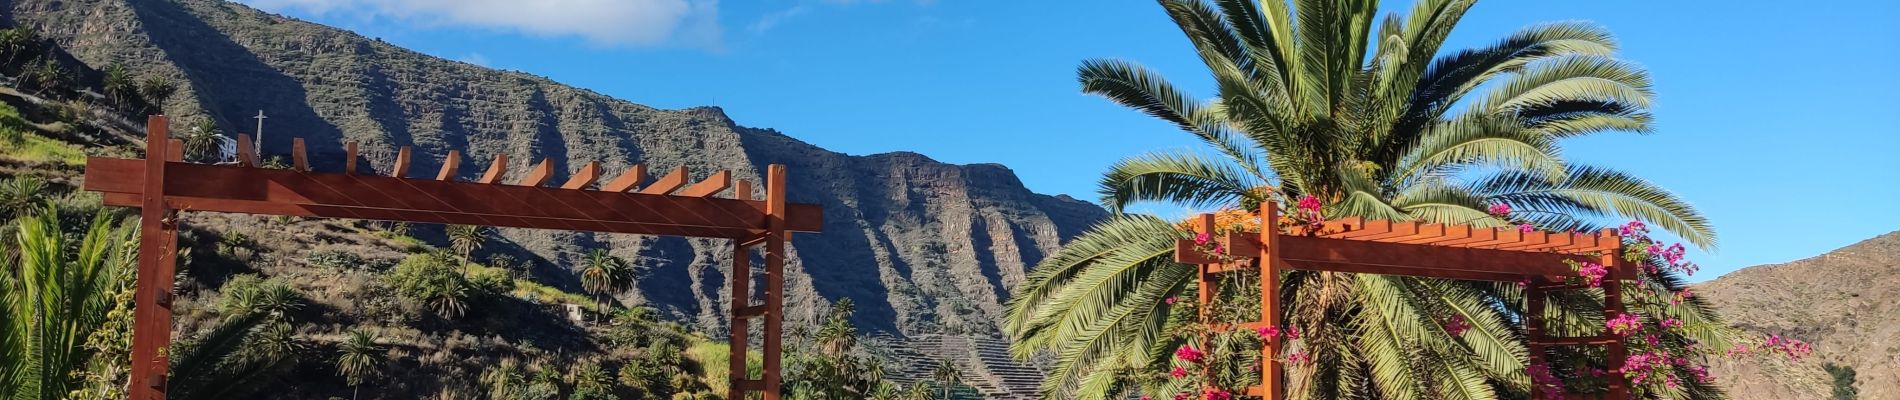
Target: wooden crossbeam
(349,158)
(584,177)
(1314,251)
(1447,233)
(495,170)
(539,175)
(711,185)
(298,160)
(1370,228)
(401,169)
(672,181)
(627,180)
(450,166)
(175,150)
(265,191)
(245,156)
(1399,229)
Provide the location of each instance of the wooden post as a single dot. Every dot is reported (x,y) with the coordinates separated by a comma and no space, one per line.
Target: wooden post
(1534,328)
(741,300)
(1204,296)
(1612,308)
(158,239)
(1272,379)
(774,275)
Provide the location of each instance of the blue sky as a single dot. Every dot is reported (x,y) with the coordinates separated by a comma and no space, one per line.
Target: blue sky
(1772,119)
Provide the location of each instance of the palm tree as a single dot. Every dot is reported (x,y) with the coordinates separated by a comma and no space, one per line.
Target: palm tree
(52,300)
(357,359)
(598,276)
(466,239)
(1400,133)
(119,85)
(946,374)
(157,90)
(202,141)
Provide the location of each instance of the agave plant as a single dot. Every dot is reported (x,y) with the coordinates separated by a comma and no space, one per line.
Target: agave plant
(1312,100)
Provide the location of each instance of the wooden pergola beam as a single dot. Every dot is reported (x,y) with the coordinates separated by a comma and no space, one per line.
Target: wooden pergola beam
(251,186)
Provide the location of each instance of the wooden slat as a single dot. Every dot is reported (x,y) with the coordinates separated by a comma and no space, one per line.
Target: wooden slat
(1399,229)
(584,177)
(298,160)
(627,180)
(711,185)
(349,158)
(496,170)
(450,166)
(244,155)
(1579,242)
(742,190)
(672,181)
(401,169)
(1525,239)
(1373,227)
(539,175)
(1424,232)
(175,150)
(1552,240)
(1453,232)
(1310,265)
(260,187)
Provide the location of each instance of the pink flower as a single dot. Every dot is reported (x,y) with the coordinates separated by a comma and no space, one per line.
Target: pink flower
(1592,273)
(1457,325)
(1219,249)
(1526,228)
(1147,398)
(1189,354)
(1298,358)
(1217,394)
(1268,332)
(1309,203)
(1624,324)
(1292,333)
(1672,323)
(1681,296)
(1201,238)
(1178,372)
(1633,229)
(1544,382)
(1181,396)
(1500,209)
(1170,300)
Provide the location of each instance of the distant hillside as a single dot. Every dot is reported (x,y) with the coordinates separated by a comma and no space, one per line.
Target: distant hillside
(1845,302)
(919,245)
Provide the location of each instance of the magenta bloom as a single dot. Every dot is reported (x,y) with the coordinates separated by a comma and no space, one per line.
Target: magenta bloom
(1526,228)
(1201,238)
(1593,273)
(1189,354)
(1457,325)
(1292,333)
(1309,203)
(1170,300)
(1217,394)
(1268,332)
(1299,358)
(1624,325)
(1178,372)
(1500,209)
(1633,229)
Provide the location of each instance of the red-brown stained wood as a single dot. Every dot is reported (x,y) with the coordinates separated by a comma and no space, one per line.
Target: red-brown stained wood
(583,177)
(152,316)
(539,175)
(627,180)
(298,160)
(401,169)
(427,196)
(245,155)
(1346,251)
(1373,227)
(711,185)
(175,150)
(496,169)
(1399,229)
(672,181)
(349,158)
(776,212)
(450,166)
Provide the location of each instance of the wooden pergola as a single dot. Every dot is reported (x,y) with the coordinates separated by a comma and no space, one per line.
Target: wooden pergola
(1414,249)
(161,185)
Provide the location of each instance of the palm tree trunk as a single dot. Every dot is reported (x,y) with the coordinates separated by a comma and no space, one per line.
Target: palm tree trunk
(355,390)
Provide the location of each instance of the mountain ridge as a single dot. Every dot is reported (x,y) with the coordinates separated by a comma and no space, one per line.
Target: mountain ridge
(1846,302)
(919,245)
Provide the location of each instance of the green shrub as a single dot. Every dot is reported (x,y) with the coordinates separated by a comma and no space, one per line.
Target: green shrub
(248,293)
(433,280)
(335,258)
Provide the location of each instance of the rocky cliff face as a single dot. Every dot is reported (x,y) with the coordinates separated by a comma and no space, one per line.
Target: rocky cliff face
(918,245)
(1846,303)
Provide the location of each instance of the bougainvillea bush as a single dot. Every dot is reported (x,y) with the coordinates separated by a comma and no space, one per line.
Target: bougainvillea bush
(1669,335)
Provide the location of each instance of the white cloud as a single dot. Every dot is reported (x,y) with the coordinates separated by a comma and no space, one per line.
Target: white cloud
(773,20)
(475,58)
(693,23)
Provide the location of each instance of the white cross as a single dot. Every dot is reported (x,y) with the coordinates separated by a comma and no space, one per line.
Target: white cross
(260,132)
